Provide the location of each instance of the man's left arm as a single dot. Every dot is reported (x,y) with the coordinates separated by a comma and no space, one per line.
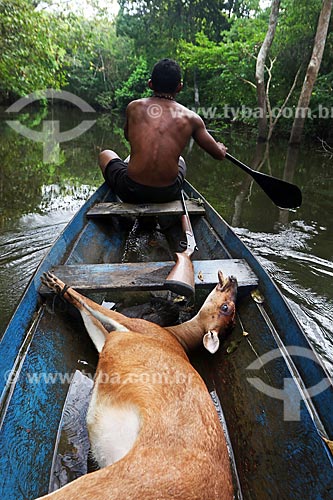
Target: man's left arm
(201,135)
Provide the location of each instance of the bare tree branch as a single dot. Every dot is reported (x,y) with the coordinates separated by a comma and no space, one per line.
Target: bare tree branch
(268,103)
(312,72)
(278,116)
(328,150)
(249,82)
(260,69)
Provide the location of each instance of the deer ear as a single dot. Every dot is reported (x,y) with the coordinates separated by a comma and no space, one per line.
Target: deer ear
(221,280)
(211,342)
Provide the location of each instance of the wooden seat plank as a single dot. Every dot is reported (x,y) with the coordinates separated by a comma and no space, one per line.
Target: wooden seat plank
(147,209)
(149,275)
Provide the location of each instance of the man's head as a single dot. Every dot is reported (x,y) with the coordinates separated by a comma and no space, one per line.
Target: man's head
(166,77)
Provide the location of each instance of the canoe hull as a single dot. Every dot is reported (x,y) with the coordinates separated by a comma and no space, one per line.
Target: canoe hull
(43,346)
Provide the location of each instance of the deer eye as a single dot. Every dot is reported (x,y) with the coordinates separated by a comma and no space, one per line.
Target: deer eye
(225,308)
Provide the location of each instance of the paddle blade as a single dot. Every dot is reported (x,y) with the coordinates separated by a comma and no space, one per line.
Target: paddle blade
(282,193)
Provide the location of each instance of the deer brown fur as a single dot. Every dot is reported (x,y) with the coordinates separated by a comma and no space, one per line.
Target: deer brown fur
(152,425)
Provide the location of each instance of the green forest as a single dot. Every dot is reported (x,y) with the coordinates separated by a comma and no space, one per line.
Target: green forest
(107,59)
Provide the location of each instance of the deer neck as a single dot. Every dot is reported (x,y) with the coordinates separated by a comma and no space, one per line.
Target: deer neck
(189,334)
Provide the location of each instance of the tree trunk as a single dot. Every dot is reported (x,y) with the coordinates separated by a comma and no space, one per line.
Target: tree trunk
(311,73)
(196,89)
(260,70)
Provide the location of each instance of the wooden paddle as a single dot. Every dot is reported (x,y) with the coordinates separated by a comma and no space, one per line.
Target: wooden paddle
(282,193)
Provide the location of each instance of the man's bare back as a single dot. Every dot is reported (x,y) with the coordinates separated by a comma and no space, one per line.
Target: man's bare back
(158,129)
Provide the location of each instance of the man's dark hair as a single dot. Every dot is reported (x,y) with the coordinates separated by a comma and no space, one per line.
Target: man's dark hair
(166,76)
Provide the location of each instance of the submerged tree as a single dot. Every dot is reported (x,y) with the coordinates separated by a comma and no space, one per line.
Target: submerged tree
(312,72)
(260,70)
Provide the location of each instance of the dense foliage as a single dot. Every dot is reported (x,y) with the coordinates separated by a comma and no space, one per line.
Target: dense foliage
(107,61)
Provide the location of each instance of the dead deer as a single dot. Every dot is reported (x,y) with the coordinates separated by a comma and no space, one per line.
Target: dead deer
(153,428)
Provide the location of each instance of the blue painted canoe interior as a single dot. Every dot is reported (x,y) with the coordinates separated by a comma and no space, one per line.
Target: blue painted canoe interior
(275,458)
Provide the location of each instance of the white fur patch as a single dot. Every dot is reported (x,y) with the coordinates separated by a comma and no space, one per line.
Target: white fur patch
(112,431)
(104,318)
(95,333)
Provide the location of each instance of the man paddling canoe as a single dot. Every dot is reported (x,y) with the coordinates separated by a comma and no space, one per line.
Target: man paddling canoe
(158,129)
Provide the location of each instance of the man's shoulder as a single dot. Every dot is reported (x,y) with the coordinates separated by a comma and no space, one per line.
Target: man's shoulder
(138,102)
(187,112)
(136,106)
(184,109)
(192,116)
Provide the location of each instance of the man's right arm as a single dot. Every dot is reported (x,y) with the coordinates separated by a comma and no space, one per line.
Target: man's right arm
(202,137)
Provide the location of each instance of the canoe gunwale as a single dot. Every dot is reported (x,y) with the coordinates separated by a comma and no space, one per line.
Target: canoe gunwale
(290,330)
(30,301)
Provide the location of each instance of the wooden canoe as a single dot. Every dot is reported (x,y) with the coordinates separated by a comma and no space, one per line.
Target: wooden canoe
(272,393)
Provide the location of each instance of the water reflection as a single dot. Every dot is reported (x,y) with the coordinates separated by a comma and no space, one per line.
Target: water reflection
(37,200)
(66,197)
(304,278)
(244,194)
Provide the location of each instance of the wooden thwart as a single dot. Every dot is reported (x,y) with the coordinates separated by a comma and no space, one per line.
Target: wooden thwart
(147,209)
(149,275)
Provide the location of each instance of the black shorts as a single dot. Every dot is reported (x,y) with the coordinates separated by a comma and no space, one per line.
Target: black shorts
(130,191)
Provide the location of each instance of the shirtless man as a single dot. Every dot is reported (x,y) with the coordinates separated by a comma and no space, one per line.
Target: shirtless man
(158,129)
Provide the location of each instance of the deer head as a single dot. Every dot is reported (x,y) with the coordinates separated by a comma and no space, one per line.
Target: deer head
(217,314)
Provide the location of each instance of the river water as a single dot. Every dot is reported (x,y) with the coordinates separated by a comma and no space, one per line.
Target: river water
(38,198)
